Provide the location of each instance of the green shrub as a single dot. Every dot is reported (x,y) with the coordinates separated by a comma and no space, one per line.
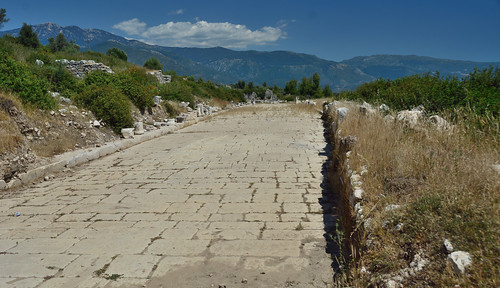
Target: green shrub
(60,79)
(41,54)
(172,112)
(19,78)
(177,91)
(99,78)
(138,87)
(108,104)
(153,64)
(480,90)
(118,53)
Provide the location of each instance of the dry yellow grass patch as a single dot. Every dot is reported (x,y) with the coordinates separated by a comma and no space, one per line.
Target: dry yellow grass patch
(447,188)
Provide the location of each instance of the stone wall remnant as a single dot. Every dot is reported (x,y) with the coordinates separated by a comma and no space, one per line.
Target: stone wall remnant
(81,68)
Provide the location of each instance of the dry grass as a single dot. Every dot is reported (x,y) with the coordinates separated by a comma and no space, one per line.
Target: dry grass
(447,188)
(54,146)
(218,102)
(10,136)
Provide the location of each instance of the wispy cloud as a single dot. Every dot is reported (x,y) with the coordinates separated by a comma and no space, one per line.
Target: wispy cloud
(283,23)
(177,12)
(202,34)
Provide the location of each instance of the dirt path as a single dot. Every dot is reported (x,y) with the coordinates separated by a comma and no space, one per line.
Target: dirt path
(233,201)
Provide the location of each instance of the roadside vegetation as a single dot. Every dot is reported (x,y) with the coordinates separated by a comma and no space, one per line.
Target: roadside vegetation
(108,96)
(445,182)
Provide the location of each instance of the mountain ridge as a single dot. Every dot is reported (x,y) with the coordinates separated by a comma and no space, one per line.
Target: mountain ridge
(226,66)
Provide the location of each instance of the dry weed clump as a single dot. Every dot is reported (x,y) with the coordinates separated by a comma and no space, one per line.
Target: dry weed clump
(446,187)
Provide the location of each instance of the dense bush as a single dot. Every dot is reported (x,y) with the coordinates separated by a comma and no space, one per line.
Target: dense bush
(99,77)
(60,79)
(177,91)
(153,64)
(108,104)
(138,86)
(19,78)
(118,53)
(480,90)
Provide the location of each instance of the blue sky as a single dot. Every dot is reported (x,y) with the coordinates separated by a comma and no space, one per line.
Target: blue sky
(331,29)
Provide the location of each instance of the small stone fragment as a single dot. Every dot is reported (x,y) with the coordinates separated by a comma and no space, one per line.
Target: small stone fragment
(448,246)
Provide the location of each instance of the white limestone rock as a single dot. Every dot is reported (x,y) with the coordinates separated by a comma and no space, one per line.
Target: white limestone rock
(138,128)
(410,118)
(440,123)
(342,114)
(460,260)
(448,246)
(384,108)
(127,133)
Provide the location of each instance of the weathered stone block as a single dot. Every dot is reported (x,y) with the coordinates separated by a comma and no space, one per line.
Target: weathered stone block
(127,133)
(138,128)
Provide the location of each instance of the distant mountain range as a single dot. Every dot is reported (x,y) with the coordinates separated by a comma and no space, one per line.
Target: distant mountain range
(226,66)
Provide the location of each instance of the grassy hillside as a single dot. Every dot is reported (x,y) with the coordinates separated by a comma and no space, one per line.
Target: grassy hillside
(109,96)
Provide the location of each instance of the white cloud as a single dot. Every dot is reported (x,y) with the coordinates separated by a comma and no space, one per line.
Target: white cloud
(202,34)
(131,27)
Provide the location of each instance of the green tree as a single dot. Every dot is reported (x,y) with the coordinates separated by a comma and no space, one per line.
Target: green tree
(61,42)
(305,87)
(316,86)
(118,53)
(291,87)
(240,85)
(153,64)
(250,86)
(327,91)
(28,37)
(2,17)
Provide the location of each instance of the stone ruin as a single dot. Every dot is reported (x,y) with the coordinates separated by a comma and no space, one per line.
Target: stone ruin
(162,79)
(269,97)
(251,98)
(81,68)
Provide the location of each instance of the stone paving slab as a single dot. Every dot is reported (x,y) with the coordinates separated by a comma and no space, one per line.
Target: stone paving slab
(239,192)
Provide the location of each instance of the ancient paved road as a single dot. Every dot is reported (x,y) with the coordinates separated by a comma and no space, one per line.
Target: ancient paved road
(230,201)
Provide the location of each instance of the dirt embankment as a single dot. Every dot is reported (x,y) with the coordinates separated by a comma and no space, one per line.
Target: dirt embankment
(30,137)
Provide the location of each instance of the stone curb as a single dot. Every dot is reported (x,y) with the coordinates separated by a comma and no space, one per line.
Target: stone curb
(74,158)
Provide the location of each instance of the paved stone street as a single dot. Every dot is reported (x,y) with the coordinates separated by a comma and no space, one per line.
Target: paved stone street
(232,201)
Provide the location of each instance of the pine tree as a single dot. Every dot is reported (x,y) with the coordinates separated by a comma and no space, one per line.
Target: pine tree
(2,17)
(28,37)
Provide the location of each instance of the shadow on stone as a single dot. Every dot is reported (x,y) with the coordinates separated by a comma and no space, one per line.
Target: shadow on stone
(329,206)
